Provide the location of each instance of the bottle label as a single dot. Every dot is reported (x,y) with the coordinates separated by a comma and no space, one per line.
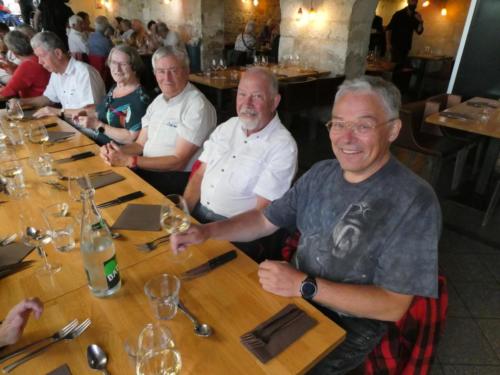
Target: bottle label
(111,272)
(98,225)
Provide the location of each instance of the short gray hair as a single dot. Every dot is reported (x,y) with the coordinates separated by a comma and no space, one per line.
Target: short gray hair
(74,19)
(19,43)
(385,90)
(268,76)
(49,41)
(26,30)
(134,59)
(179,53)
(101,23)
(250,27)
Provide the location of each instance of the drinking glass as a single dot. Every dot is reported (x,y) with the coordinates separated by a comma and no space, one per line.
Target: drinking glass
(34,231)
(12,172)
(156,352)
(163,294)
(14,110)
(38,134)
(62,226)
(174,218)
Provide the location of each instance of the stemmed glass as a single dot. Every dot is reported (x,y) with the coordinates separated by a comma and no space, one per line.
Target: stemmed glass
(156,353)
(38,134)
(174,218)
(35,231)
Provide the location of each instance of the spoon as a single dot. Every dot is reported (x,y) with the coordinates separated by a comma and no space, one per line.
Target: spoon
(97,358)
(203,330)
(37,235)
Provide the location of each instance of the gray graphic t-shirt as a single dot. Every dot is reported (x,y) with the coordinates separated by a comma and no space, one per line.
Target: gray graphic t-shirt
(383,231)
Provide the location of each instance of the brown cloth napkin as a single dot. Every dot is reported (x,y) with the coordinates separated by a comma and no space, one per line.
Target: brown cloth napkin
(274,335)
(139,217)
(61,370)
(55,136)
(104,179)
(14,253)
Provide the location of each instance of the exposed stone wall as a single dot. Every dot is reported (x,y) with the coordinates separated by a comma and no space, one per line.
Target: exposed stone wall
(212,30)
(441,34)
(238,12)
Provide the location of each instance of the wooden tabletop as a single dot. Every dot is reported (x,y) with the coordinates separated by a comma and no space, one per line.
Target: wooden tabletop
(429,57)
(230,298)
(229,78)
(474,125)
(23,151)
(379,66)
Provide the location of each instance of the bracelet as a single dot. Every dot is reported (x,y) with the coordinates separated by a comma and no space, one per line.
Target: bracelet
(134,162)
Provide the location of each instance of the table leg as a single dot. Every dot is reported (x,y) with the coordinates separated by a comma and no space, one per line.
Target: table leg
(490,159)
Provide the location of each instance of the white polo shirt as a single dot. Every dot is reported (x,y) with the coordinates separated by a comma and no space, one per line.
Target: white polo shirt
(77,42)
(80,85)
(240,167)
(188,115)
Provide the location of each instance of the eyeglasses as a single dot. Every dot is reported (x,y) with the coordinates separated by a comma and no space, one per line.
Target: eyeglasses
(174,70)
(361,128)
(121,65)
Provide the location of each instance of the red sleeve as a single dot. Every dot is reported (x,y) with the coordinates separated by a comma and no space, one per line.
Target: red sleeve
(28,77)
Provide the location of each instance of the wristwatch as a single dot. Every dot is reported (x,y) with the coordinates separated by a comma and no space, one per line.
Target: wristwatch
(100,129)
(308,288)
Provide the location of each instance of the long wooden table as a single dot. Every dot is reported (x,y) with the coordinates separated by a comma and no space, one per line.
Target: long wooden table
(491,129)
(230,298)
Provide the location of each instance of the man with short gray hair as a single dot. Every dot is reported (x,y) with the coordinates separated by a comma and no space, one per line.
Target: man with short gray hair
(73,84)
(99,44)
(77,39)
(175,126)
(369,227)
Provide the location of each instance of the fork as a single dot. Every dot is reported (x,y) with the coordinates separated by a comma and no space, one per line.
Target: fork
(151,245)
(61,333)
(56,185)
(73,334)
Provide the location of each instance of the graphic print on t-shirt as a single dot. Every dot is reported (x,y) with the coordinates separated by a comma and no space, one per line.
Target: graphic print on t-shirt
(119,115)
(346,233)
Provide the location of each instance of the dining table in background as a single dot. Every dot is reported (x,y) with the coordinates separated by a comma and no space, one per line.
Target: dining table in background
(473,124)
(229,298)
(423,60)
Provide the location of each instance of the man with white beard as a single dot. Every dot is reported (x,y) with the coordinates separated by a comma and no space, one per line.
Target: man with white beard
(249,160)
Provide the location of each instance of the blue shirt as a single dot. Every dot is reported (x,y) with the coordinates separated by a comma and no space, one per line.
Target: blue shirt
(99,45)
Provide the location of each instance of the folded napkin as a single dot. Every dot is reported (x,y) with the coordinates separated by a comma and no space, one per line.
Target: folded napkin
(14,253)
(99,180)
(274,335)
(139,217)
(55,136)
(61,370)
(455,115)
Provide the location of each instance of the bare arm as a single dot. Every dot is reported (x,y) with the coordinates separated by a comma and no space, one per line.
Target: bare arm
(13,325)
(184,151)
(262,203)
(192,193)
(37,101)
(367,301)
(88,119)
(247,226)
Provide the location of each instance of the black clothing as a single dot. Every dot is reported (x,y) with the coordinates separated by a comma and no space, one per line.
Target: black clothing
(172,182)
(377,36)
(27,10)
(402,26)
(55,15)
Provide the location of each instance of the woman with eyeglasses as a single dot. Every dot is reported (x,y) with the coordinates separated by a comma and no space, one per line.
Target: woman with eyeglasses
(118,116)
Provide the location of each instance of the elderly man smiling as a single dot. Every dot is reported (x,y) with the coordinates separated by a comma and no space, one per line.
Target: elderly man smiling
(175,126)
(249,161)
(369,226)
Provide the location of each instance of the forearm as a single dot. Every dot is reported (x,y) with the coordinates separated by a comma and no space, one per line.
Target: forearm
(38,101)
(119,135)
(245,227)
(161,163)
(366,301)
(192,193)
(71,113)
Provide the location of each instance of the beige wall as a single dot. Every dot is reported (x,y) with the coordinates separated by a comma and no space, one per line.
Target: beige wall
(441,34)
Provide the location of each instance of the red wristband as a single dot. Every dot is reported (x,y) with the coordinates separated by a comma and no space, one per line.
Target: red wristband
(134,162)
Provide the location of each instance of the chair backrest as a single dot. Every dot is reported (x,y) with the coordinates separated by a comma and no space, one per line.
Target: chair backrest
(326,88)
(431,107)
(297,96)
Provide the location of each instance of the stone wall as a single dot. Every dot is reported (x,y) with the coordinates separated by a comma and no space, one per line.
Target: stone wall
(441,34)
(238,12)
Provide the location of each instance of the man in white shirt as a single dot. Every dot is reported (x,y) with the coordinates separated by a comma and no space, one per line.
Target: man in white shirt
(249,160)
(77,39)
(174,127)
(73,84)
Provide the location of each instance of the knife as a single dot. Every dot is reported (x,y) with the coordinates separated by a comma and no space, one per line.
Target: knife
(82,155)
(13,268)
(209,266)
(122,199)
(51,125)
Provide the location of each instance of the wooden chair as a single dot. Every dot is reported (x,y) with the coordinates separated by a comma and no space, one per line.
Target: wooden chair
(437,147)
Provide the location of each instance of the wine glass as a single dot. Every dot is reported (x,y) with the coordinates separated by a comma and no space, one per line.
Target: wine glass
(77,183)
(174,218)
(35,231)
(14,110)
(38,134)
(156,352)
(222,64)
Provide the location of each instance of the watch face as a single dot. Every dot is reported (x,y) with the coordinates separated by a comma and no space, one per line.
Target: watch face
(308,289)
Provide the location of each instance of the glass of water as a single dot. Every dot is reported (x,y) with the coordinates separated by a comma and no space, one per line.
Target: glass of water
(12,173)
(62,226)
(156,352)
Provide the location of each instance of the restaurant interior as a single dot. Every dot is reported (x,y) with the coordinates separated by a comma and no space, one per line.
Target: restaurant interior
(450,137)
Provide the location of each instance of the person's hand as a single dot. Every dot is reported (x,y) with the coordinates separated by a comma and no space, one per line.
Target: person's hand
(418,17)
(194,235)
(280,278)
(85,120)
(116,157)
(13,325)
(104,153)
(47,111)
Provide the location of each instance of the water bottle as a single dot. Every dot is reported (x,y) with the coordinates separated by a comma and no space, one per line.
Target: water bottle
(98,250)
